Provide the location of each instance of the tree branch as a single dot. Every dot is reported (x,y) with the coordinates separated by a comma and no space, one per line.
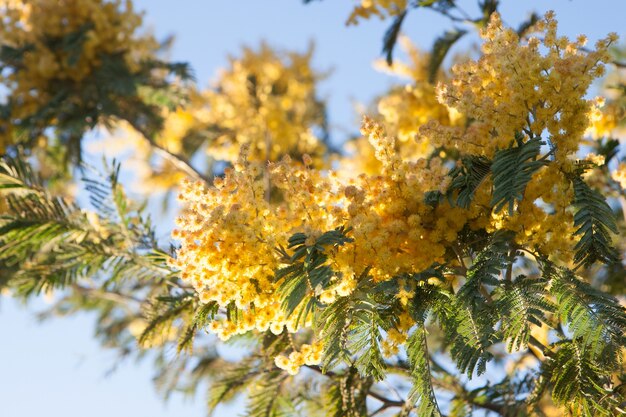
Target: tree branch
(179,161)
(387,403)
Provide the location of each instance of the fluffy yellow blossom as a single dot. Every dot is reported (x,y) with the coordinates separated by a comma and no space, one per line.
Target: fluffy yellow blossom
(308,355)
(403,110)
(65,41)
(535,89)
(268,101)
(517,87)
(229,231)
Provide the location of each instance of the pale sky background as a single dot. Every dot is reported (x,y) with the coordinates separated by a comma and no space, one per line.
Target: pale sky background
(57,368)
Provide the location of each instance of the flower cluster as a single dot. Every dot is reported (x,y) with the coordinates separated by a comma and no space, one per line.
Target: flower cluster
(64,41)
(308,355)
(403,110)
(229,231)
(266,100)
(514,87)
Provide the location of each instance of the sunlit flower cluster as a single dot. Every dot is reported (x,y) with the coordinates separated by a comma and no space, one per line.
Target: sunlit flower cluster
(269,101)
(307,355)
(64,42)
(229,231)
(514,88)
(403,110)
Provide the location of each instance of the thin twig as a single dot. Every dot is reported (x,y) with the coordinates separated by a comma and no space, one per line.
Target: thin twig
(386,401)
(179,161)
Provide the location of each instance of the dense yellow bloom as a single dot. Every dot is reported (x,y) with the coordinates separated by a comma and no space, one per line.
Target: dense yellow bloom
(514,87)
(229,233)
(268,101)
(229,230)
(64,42)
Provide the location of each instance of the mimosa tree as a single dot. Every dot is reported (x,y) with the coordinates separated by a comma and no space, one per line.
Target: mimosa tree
(463,255)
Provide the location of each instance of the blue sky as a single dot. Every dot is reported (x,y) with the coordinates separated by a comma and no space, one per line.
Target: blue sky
(57,368)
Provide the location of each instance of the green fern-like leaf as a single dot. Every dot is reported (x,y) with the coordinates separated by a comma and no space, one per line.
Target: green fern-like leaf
(391,36)
(307,272)
(466,179)
(163,317)
(520,305)
(595,221)
(512,170)
(485,271)
(351,330)
(594,318)
(577,382)
(470,320)
(364,340)
(49,242)
(440,49)
(422,393)
(336,320)
(469,336)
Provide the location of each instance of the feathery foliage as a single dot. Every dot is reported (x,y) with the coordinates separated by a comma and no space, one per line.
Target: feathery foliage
(307,272)
(466,178)
(440,49)
(512,170)
(50,242)
(577,381)
(593,318)
(595,222)
(522,304)
(422,392)
(351,328)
